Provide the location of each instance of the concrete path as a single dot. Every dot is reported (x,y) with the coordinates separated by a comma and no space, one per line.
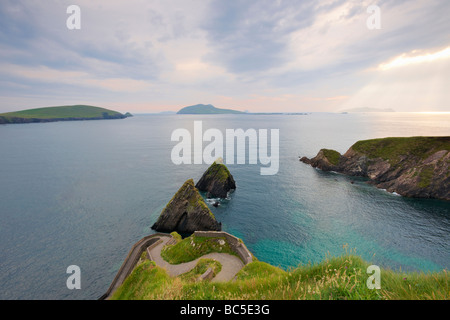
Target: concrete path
(130,262)
(230,264)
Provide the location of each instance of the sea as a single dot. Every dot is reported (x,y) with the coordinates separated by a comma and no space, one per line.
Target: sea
(83,192)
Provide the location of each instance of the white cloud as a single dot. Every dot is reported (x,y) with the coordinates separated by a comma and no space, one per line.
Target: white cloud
(74,78)
(415,58)
(412,87)
(265,53)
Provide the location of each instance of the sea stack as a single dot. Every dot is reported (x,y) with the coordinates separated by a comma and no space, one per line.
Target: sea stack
(186,213)
(217,181)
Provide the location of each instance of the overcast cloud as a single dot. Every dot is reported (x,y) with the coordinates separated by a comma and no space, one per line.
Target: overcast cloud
(265,55)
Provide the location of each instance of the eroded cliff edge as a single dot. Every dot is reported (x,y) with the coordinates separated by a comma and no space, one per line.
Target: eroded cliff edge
(412,167)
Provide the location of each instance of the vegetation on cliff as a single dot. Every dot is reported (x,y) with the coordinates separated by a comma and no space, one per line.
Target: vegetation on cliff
(394,149)
(332,156)
(413,167)
(194,247)
(336,278)
(186,212)
(61,113)
(217,181)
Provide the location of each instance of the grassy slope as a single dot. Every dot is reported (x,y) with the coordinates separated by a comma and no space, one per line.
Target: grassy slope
(332,156)
(61,112)
(335,278)
(194,247)
(392,148)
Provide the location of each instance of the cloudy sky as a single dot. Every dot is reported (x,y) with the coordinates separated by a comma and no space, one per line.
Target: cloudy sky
(256,55)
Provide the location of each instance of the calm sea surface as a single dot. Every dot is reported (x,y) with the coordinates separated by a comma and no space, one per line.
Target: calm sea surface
(82,193)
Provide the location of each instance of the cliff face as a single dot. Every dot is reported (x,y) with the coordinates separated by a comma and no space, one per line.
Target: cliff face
(187,212)
(217,181)
(412,167)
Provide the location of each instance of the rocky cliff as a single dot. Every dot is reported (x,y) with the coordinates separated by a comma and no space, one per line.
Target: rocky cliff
(217,181)
(187,212)
(412,167)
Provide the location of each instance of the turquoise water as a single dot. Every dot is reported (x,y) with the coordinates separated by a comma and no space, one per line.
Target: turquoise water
(84,192)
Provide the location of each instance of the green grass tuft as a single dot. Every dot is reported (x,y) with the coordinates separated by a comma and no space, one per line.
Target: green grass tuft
(194,247)
(202,266)
(218,171)
(176,236)
(332,156)
(425,176)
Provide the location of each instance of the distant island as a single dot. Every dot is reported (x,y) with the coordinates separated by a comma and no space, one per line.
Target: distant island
(416,167)
(359,110)
(210,109)
(61,113)
(207,109)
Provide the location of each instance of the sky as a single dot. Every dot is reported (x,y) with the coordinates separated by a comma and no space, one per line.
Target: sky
(151,56)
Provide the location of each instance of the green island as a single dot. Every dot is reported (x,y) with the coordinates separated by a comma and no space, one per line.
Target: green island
(207,109)
(336,278)
(61,113)
(210,109)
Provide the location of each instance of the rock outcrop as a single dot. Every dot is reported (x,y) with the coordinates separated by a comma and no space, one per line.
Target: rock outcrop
(412,167)
(217,181)
(187,212)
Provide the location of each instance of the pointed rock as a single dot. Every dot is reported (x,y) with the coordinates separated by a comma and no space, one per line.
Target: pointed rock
(187,212)
(217,180)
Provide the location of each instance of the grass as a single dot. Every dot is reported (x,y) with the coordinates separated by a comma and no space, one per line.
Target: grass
(195,200)
(336,278)
(394,148)
(176,236)
(332,156)
(61,112)
(218,171)
(425,176)
(145,280)
(194,247)
(202,266)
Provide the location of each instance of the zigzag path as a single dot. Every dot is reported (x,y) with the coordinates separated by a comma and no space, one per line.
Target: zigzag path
(154,244)
(230,264)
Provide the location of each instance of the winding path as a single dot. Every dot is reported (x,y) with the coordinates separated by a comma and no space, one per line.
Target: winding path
(230,264)
(153,244)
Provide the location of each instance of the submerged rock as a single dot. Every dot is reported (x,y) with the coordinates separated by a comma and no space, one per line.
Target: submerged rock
(413,167)
(187,212)
(217,181)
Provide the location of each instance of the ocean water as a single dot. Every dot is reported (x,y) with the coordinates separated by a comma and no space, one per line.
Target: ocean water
(82,193)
